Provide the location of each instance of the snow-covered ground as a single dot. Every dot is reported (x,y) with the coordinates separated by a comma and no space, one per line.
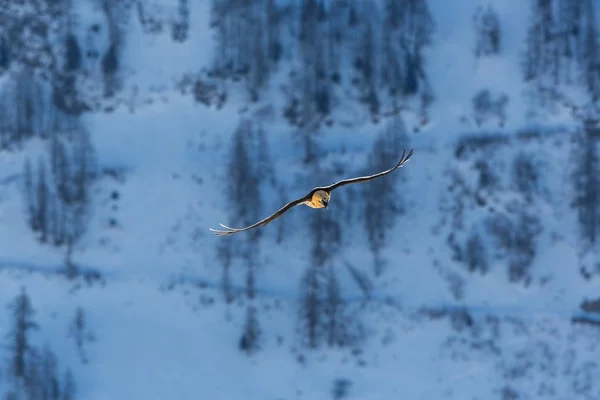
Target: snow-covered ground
(433,330)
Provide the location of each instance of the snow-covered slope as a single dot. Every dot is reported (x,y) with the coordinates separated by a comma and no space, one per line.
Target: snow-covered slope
(430,329)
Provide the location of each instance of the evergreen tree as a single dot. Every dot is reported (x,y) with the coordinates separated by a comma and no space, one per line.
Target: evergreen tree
(487,32)
(181,26)
(225,256)
(84,170)
(246,46)
(391,68)
(18,336)
(220,21)
(311,310)
(28,195)
(523,251)
(326,237)
(326,241)
(6,125)
(72,53)
(49,383)
(366,61)
(259,149)
(309,124)
(525,175)
(335,37)
(61,170)
(110,66)
(5,56)
(586,180)
(53,224)
(28,108)
(42,201)
(340,388)
(71,270)
(249,342)
(362,280)
(309,11)
(591,57)
(323,93)
(111,59)
(33,380)
(69,388)
(78,331)
(244,181)
(334,309)
(259,67)
(250,274)
(407,29)
(65,95)
(542,60)
(314,82)
(274,46)
(475,254)
(569,43)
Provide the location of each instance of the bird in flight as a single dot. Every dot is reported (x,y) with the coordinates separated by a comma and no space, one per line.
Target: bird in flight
(317,198)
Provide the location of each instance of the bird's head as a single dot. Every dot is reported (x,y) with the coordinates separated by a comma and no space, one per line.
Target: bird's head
(322,197)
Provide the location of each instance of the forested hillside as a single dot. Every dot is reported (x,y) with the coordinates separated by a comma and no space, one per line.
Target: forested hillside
(128,128)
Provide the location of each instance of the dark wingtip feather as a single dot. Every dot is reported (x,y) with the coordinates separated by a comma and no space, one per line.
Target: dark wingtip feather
(405,157)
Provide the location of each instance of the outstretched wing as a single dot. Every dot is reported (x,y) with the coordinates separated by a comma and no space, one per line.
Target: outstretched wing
(403,160)
(230,231)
